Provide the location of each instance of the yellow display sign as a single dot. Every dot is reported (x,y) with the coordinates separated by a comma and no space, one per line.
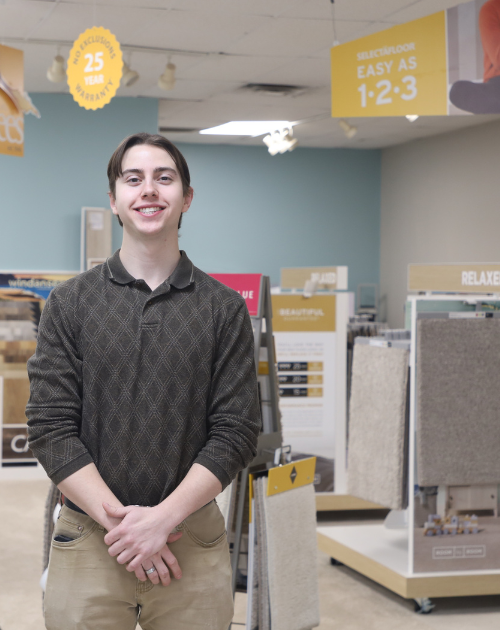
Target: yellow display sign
(295,313)
(455,278)
(11,87)
(397,72)
(294,475)
(94,68)
(330,278)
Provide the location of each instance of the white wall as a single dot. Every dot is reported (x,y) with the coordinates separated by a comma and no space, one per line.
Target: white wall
(440,202)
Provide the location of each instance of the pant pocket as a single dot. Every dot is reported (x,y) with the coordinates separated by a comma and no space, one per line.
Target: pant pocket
(206,526)
(73,526)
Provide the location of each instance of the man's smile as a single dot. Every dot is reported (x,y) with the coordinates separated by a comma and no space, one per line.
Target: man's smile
(149,211)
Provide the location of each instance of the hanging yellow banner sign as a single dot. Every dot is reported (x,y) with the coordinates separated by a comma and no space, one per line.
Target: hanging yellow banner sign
(399,71)
(95,68)
(11,88)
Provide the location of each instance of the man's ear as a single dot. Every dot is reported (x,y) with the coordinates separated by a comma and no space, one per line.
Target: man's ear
(188,199)
(112,203)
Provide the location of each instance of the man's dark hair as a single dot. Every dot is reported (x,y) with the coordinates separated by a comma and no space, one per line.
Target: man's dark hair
(155,140)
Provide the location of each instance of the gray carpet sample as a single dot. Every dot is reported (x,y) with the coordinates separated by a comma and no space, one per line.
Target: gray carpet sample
(290,523)
(261,612)
(378,426)
(458,401)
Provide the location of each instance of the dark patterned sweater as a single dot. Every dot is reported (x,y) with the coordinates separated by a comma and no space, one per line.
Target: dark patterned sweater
(143,383)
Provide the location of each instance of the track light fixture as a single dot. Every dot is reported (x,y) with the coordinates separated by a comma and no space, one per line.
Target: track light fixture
(349,130)
(56,73)
(129,76)
(167,79)
(280,141)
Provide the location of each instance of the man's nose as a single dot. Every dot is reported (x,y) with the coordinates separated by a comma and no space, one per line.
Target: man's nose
(149,189)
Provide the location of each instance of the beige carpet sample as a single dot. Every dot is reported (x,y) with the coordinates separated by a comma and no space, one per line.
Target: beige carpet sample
(377,455)
(458,401)
(290,524)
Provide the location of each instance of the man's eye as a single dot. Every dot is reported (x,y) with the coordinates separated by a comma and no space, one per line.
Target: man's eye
(165,178)
(132,180)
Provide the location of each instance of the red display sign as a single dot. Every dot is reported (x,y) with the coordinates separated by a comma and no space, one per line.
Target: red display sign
(246,284)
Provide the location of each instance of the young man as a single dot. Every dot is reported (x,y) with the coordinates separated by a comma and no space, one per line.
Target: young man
(143,408)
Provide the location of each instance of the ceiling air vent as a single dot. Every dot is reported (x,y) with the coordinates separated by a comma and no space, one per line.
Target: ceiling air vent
(273,89)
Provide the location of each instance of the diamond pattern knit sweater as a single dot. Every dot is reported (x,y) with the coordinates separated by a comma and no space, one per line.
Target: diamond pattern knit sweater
(143,383)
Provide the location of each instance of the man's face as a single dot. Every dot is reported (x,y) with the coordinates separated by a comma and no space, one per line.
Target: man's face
(149,199)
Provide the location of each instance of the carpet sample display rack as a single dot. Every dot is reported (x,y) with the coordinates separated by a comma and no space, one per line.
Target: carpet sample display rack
(312,325)
(282,575)
(445,544)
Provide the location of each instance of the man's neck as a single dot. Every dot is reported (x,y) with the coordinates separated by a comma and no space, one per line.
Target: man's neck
(152,260)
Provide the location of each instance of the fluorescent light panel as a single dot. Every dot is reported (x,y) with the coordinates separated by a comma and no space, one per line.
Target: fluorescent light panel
(252,128)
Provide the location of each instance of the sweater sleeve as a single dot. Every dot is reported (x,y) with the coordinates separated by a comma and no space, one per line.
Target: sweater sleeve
(55,404)
(233,415)
(489,27)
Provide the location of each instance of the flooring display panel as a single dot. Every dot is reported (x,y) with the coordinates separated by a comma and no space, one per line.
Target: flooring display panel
(377,456)
(290,517)
(16,392)
(458,401)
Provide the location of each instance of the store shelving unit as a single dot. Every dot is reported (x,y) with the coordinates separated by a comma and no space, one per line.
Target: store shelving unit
(386,556)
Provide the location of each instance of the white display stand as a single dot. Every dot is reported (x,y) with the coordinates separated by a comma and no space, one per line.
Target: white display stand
(387,555)
(309,285)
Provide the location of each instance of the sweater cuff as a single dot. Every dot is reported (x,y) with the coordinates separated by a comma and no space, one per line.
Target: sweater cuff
(72,467)
(214,468)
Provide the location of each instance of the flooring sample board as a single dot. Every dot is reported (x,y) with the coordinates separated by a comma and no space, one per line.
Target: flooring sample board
(16,392)
(378,426)
(264,614)
(458,401)
(290,525)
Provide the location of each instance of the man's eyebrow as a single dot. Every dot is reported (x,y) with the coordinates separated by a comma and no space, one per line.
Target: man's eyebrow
(158,169)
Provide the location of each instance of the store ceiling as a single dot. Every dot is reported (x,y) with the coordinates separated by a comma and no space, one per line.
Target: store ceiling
(229,43)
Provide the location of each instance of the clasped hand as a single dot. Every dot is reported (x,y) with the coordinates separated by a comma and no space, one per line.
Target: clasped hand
(140,542)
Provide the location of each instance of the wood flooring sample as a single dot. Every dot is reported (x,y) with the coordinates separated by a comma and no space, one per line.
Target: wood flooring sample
(16,392)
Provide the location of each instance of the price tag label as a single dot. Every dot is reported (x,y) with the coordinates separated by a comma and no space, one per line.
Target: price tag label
(95,68)
(396,72)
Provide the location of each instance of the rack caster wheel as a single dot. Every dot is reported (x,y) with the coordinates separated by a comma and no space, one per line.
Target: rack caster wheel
(423,606)
(336,563)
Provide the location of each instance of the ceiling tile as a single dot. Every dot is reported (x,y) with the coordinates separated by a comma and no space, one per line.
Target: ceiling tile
(299,71)
(270,8)
(416,10)
(198,31)
(285,37)
(20,18)
(242,68)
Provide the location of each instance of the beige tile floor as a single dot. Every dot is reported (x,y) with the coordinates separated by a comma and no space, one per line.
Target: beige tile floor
(348,601)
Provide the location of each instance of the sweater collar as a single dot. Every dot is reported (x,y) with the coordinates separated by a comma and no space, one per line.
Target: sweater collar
(182,276)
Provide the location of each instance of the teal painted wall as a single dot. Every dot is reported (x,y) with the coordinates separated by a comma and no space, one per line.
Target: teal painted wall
(66,153)
(256,213)
(251,212)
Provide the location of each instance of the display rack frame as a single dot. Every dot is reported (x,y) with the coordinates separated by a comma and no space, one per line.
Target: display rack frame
(370,552)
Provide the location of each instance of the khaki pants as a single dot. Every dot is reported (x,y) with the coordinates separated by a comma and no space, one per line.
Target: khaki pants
(88,590)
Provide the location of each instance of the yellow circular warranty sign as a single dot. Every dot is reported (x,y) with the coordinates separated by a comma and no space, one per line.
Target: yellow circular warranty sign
(94,68)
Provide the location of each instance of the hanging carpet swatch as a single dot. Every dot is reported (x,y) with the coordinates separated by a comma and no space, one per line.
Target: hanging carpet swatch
(458,401)
(260,614)
(378,429)
(290,525)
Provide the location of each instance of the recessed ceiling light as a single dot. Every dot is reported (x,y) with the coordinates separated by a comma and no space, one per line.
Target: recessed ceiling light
(411,118)
(252,128)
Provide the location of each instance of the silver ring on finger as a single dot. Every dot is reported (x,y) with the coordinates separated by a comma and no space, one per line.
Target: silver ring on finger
(151,570)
